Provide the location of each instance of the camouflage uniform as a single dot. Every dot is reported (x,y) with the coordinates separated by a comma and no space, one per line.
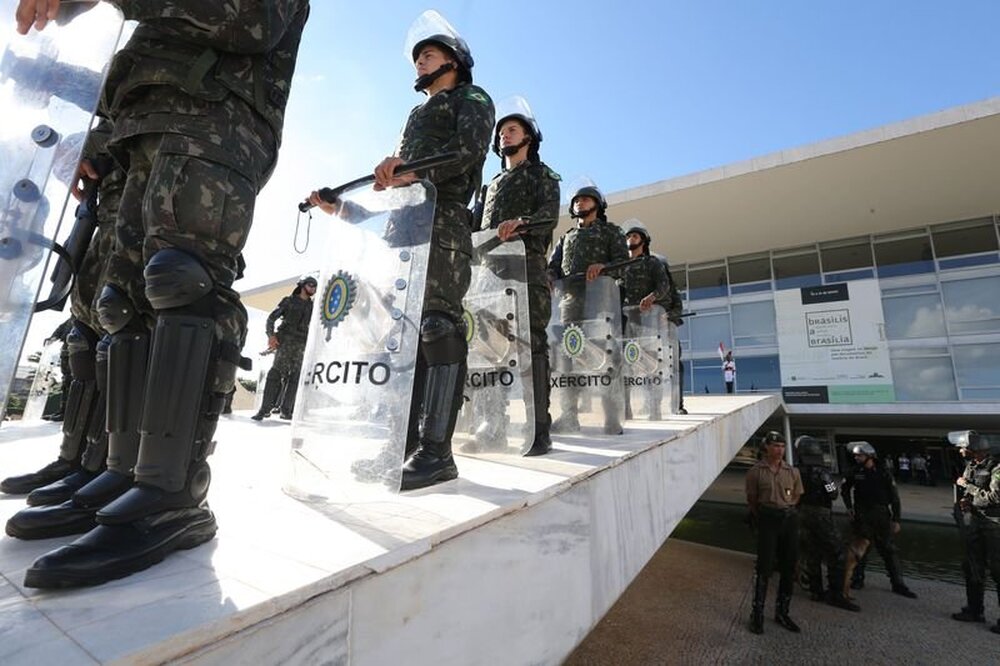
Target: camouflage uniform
(981,536)
(601,242)
(197,97)
(294,313)
(530,190)
(460,120)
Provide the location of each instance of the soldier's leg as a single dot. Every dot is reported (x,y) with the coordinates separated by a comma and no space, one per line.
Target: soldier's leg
(295,354)
(539,312)
(272,391)
(788,555)
(974,568)
(82,409)
(768,527)
(886,548)
(444,349)
(680,383)
(834,552)
(196,216)
(991,536)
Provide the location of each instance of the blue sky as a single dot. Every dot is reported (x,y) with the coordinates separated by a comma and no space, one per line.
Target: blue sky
(626,92)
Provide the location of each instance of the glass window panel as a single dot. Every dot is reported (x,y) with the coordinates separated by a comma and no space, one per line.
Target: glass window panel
(972,306)
(906,256)
(967,261)
(707,377)
(990,394)
(918,352)
(977,366)
(755,340)
(753,318)
(744,270)
(965,238)
(913,317)
(708,282)
(843,257)
(752,288)
(923,379)
(679,274)
(797,270)
(707,331)
(757,373)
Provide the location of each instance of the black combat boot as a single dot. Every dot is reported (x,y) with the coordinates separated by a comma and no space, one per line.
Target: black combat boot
(896,579)
(272,391)
(432,462)
(973,610)
(757,609)
(25,483)
(781,613)
(816,591)
(542,443)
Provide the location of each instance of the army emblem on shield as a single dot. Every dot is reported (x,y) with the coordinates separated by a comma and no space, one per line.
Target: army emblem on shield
(633,352)
(573,340)
(338,299)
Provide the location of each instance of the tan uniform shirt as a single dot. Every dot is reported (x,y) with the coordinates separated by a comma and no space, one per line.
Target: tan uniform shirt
(777,490)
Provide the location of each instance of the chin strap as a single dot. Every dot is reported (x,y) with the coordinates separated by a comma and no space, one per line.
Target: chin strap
(512,150)
(422,82)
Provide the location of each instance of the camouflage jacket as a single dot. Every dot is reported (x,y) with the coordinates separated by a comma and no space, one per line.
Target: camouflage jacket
(458,120)
(294,313)
(644,277)
(529,190)
(207,51)
(983,490)
(600,243)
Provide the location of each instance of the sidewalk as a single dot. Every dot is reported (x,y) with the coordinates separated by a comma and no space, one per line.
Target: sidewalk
(927,504)
(691,604)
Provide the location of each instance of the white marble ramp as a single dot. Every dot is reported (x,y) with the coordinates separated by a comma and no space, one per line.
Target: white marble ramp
(513,563)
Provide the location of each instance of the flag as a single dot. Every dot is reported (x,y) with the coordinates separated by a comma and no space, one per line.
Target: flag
(722,352)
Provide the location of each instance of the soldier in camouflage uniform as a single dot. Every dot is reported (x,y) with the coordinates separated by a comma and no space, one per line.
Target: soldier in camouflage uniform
(457,116)
(289,341)
(527,190)
(583,251)
(978,506)
(643,284)
(197,97)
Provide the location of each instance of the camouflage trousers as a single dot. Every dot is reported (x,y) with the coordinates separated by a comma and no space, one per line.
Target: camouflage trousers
(449,271)
(92,274)
(288,357)
(821,542)
(180,201)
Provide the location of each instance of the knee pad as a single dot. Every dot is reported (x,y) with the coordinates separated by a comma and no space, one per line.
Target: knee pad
(176,279)
(442,340)
(114,309)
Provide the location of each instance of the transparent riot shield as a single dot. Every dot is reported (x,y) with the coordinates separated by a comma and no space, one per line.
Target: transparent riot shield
(351,411)
(649,364)
(47,377)
(585,348)
(498,413)
(49,86)
(264,362)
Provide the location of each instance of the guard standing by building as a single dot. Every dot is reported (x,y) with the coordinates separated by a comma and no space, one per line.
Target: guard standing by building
(289,345)
(527,190)
(197,97)
(819,533)
(773,489)
(978,507)
(584,250)
(457,116)
(872,501)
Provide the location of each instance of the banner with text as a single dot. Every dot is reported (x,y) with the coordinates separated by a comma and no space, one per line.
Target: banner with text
(832,344)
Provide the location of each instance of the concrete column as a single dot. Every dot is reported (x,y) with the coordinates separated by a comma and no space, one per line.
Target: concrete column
(789,454)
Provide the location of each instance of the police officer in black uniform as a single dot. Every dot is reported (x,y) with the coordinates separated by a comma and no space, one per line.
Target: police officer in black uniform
(818,531)
(875,511)
(978,507)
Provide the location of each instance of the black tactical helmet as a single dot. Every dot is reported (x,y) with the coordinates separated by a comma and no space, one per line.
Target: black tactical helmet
(809,449)
(862,448)
(634,226)
(969,439)
(595,194)
(307,279)
(529,124)
(772,436)
(454,45)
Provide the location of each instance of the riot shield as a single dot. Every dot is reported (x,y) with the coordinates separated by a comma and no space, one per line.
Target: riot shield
(498,413)
(49,86)
(351,411)
(264,362)
(585,342)
(649,364)
(47,377)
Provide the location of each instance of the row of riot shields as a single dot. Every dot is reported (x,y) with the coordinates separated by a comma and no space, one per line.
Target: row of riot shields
(49,86)
(351,417)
